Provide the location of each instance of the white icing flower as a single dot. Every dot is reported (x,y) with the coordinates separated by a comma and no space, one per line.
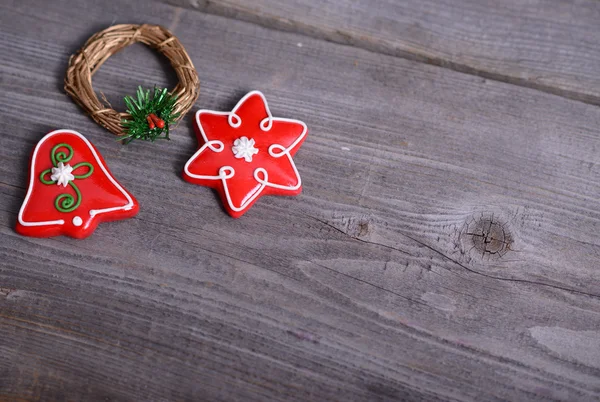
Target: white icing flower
(244,148)
(62,174)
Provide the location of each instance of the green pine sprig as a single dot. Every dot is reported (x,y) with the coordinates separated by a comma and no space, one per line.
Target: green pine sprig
(161,103)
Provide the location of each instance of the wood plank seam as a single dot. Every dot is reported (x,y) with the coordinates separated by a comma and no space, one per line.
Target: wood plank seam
(452,260)
(343,37)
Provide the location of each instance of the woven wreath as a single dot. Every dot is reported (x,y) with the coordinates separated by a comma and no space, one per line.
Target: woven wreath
(150,113)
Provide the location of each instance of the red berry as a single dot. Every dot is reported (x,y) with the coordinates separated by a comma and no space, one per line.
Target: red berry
(150,122)
(160,123)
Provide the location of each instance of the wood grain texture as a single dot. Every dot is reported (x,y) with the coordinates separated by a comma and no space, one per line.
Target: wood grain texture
(550,45)
(379,283)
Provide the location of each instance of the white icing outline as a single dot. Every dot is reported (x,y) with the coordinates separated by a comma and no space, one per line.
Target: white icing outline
(92,212)
(227,172)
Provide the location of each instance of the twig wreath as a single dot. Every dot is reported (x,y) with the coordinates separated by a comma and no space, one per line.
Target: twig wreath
(147,116)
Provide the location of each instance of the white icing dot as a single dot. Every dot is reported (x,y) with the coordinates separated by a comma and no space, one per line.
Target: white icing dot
(244,148)
(77,221)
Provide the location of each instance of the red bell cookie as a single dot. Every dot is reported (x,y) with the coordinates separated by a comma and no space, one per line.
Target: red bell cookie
(246,153)
(70,189)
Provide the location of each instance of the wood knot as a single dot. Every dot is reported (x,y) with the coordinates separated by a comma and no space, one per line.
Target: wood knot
(486,236)
(6,291)
(358,227)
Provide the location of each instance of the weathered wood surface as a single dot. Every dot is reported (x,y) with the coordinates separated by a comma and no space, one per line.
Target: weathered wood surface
(551,45)
(380,282)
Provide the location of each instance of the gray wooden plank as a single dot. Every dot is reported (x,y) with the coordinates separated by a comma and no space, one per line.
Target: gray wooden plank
(368,286)
(549,45)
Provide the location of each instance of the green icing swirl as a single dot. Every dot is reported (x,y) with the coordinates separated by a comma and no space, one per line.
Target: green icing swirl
(66,202)
(44,173)
(85,175)
(61,156)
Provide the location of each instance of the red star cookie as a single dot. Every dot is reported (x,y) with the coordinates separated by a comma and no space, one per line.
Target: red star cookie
(70,189)
(246,153)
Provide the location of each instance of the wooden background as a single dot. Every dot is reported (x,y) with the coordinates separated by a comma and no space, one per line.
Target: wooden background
(445,246)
